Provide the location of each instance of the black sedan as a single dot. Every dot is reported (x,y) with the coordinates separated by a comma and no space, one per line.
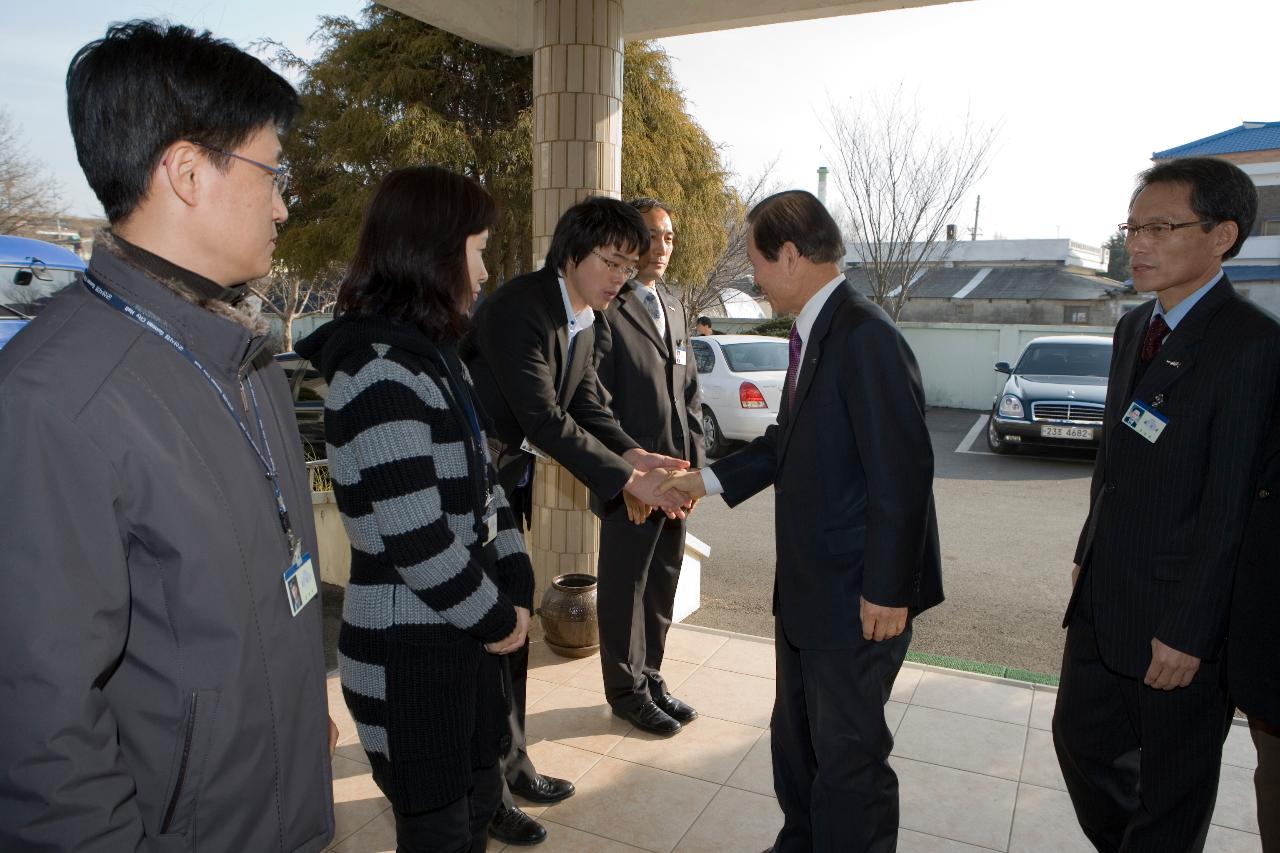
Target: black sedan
(1055,395)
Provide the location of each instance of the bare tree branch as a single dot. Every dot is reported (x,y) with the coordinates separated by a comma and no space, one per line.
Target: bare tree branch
(901,184)
(288,295)
(700,297)
(28,194)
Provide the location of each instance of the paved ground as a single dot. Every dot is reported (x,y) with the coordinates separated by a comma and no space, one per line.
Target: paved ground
(1008,530)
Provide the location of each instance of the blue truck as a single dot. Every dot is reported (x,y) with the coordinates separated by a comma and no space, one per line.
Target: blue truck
(31,272)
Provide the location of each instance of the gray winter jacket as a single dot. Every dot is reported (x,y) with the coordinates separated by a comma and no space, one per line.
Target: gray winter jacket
(155,693)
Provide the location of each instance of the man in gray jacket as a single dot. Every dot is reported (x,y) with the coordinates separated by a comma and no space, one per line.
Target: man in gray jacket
(159,691)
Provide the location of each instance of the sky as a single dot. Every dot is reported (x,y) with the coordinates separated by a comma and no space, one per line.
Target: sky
(1081,91)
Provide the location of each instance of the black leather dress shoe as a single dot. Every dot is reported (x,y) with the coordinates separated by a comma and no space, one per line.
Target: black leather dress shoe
(675,709)
(512,826)
(543,789)
(651,718)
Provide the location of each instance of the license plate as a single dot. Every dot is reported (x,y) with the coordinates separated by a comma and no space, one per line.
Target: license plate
(1076,433)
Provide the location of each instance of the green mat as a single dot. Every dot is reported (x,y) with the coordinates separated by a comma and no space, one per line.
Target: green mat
(984,668)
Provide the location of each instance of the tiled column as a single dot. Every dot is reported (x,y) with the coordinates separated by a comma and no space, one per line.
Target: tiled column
(577,152)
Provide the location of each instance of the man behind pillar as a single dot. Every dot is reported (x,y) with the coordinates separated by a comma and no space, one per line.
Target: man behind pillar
(531,353)
(1142,709)
(646,368)
(857,537)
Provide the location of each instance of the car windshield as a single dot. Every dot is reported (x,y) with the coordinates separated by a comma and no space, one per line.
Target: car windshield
(28,299)
(1066,360)
(756,357)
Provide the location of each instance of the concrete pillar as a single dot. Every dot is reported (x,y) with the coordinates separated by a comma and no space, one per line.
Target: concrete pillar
(577,152)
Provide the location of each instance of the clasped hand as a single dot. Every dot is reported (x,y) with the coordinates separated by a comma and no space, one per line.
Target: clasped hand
(515,639)
(644,491)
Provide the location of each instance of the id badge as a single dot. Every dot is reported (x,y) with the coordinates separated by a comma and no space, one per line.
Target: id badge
(490,529)
(300,583)
(681,357)
(530,449)
(1144,420)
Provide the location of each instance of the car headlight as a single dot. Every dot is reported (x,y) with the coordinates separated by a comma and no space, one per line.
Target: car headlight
(1010,406)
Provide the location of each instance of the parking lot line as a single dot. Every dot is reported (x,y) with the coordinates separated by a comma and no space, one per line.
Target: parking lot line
(974,432)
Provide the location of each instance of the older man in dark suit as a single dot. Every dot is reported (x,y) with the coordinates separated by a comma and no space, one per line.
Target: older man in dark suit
(857,537)
(531,353)
(646,367)
(1253,650)
(1142,710)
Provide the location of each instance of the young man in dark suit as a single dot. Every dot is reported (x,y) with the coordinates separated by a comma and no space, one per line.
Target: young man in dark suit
(857,537)
(531,353)
(1253,646)
(646,367)
(1142,710)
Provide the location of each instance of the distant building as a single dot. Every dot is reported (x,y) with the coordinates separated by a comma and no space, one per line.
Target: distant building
(1047,282)
(1255,147)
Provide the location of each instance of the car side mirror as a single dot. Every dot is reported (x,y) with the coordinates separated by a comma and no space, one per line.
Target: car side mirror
(1003,367)
(22,278)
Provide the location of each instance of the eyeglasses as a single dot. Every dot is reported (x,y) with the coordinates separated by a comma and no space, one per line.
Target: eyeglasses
(1156,229)
(614,266)
(279,174)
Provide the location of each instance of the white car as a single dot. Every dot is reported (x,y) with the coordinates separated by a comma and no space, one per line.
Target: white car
(741,378)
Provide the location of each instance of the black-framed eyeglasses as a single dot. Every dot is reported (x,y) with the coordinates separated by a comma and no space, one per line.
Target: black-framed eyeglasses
(279,174)
(614,266)
(1156,229)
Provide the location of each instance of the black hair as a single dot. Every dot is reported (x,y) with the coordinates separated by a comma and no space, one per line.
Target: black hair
(594,222)
(411,261)
(1220,192)
(704,320)
(146,85)
(644,204)
(796,216)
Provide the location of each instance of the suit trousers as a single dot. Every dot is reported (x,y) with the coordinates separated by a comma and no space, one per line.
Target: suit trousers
(831,746)
(1141,765)
(461,826)
(515,762)
(1266,782)
(639,567)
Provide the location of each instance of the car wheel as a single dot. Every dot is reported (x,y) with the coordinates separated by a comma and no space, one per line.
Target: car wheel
(994,440)
(712,439)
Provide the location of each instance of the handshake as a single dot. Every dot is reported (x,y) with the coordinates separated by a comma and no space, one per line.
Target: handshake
(660,482)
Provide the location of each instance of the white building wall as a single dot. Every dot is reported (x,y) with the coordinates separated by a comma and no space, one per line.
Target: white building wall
(957,360)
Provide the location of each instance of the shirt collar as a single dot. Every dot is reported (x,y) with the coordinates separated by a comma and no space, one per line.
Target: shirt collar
(576,322)
(165,270)
(1175,315)
(809,313)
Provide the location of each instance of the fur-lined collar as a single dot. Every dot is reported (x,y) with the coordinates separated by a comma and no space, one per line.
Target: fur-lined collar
(246,312)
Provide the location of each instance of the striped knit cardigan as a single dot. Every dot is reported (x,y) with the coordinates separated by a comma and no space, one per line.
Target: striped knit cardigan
(425,594)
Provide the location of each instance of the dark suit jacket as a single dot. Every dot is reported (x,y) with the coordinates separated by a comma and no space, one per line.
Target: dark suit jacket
(852,471)
(518,355)
(1163,533)
(654,399)
(1253,648)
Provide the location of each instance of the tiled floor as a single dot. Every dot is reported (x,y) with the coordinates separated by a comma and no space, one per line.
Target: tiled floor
(973,755)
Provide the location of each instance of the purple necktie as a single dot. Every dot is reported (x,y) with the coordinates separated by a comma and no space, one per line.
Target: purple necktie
(793,365)
(1154,338)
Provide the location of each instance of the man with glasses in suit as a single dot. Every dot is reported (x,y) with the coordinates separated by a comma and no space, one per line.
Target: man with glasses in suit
(1142,711)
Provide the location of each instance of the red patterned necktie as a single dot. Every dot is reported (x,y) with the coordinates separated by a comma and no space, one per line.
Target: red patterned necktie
(1155,337)
(793,365)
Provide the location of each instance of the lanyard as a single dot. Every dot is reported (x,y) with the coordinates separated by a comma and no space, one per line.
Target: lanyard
(461,391)
(268,463)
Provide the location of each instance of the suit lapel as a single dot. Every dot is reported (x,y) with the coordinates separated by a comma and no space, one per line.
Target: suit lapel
(632,307)
(675,317)
(809,364)
(555,308)
(1177,356)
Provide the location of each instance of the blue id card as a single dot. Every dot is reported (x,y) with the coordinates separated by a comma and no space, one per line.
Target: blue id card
(300,583)
(1144,420)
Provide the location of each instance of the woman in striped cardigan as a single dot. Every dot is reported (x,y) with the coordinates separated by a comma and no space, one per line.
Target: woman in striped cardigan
(440,585)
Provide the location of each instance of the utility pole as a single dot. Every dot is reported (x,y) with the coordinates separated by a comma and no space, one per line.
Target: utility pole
(973,232)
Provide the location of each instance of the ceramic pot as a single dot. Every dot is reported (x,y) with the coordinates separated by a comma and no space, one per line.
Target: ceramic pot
(568,614)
